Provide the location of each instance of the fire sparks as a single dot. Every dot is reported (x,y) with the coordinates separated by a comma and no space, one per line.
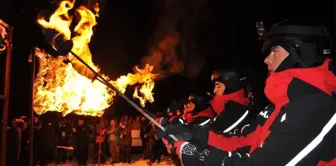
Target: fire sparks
(65,87)
(96,9)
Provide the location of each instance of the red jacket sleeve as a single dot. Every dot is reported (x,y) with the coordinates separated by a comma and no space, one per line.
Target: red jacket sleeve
(187,117)
(218,104)
(330,163)
(206,113)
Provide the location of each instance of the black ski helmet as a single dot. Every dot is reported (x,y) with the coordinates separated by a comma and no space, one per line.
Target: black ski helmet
(308,46)
(174,106)
(232,80)
(201,101)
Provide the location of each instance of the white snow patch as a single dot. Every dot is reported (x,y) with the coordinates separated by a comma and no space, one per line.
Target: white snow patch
(164,162)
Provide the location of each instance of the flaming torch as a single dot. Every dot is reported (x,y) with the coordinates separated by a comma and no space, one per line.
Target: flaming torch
(72,87)
(78,86)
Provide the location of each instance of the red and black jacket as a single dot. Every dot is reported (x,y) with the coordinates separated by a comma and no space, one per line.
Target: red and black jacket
(304,109)
(327,163)
(226,110)
(231,113)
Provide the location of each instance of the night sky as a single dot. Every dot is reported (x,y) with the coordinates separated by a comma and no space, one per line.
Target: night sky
(225,36)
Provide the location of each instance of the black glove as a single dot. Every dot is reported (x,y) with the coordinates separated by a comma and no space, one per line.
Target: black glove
(192,154)
(236,158)
(184,132)
(215,156)
(181,131)
(164,121)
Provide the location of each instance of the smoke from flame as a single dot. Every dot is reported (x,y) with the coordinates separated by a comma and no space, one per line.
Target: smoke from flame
(163,56)
(174,48)
(66,87)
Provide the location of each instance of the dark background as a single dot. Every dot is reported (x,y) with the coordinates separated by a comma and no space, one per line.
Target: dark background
(224,34)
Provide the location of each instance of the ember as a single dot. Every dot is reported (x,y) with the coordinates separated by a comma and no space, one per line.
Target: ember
(63,87)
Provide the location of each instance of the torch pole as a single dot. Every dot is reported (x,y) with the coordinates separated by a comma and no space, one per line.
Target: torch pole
(141,110)
(31,127)
(6,99)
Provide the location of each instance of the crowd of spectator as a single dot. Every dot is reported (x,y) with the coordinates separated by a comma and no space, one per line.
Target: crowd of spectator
(83,141)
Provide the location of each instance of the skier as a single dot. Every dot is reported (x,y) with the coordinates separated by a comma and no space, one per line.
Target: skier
(300,130)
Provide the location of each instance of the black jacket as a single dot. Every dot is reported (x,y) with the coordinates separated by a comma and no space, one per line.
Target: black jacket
(301,131)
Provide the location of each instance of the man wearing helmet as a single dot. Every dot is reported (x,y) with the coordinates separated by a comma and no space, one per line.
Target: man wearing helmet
(198,110)
(300,128)
(227,107)
(229,88)
(226,111)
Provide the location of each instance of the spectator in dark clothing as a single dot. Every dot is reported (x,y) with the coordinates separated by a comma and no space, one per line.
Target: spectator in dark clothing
(24,156)
(37,127)
(14,142)
(126,140)
(155,146)
(158,150)
(12,146)
(46,144)
(145,129)
(63,140)
(82,143)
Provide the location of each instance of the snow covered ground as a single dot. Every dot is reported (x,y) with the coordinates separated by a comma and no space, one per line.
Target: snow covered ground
(164,162)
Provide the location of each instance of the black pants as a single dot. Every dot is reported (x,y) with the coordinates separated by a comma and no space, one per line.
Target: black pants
(82,155)
(176,159)
(11,160)
(126,153)
(147,149)
(45,155)
(35,152)
(61,156)
(157,151)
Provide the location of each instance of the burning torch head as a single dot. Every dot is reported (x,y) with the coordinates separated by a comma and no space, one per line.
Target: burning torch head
(308,45)
(3,35)
(57,41)
(2,44)
(63,47)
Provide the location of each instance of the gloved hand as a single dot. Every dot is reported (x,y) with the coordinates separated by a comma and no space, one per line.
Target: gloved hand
(170,121)
(192,154)
(184,132)
(236,158)
(187,153)
(181,131)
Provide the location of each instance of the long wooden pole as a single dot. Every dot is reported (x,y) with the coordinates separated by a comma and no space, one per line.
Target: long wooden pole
(6,100)
(31,131)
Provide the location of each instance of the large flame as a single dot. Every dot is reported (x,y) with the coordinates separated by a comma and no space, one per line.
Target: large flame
(61,86)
